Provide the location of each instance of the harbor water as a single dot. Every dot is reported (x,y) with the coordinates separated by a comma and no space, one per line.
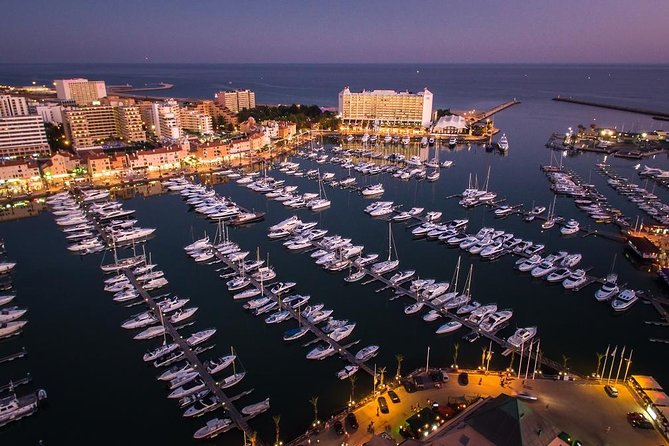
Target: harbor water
(101,391)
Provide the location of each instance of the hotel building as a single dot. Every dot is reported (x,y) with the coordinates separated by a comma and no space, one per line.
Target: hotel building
(387,108)
(196,121)
(236,100)
(88,127)
(81,91)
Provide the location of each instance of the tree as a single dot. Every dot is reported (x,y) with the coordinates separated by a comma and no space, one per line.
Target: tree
(382,375)
(352,379)
(399,357)
(565,359)
(456,350)
(600,356)
(277,420)
(513,355)
(314,402)
(253,438)
(483,356)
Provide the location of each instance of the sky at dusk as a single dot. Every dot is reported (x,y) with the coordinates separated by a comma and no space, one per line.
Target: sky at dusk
(440,31)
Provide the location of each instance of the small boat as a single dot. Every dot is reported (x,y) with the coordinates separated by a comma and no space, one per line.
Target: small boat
(216,365)
(156,353)
(200,337)
(571,260)
(255,409)
(13,408)
(449,327)
(355,276)
(282,287)
(431,315)
(401,276)
(295,333)
(494,321)
(468,308)
(558,275)
(413,308)
(342,332)
(213,428)
(402,216)
(373,191)
(11,314)
(150,333)
(321,352)
(608,289)
(575,279)
(367,353)
(183,391)
(203,406)
(176,370)
(624,300)
(571,227)
(521,336)
(543,269)
(347,371)
(10,328)
(231,380)
(6,299)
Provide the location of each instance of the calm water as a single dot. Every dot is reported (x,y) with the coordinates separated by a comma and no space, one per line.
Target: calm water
(99,388)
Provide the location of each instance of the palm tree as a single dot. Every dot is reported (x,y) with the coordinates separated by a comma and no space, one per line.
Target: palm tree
(565,359)
(456,350)
(484,350)
(600,356)
(253,438)
(382,372)
(513,356)
(352,378)
(277,420)
(399,357)
(314,402)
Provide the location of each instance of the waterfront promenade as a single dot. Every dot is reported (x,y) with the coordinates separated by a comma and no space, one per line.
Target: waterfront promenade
(580,408)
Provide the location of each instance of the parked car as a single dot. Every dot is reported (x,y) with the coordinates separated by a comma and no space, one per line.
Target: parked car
(611,391)
(383,405)
(463,379)
(352,420)
(393,396)
(338,427)
(409,385)
(437,376)
(420,384)
(642,424)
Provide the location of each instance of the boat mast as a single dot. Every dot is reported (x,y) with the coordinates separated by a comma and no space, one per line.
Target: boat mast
(456,276)
(468,284)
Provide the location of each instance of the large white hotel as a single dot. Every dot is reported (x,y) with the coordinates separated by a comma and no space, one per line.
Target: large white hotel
(385,108)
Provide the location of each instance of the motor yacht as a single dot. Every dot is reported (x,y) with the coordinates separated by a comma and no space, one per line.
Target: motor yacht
(367,353)
(571,260)
(347,371)
(624,300)
(213,428)
(496,320)
(449,327)
(608,289)
(575,279)
(558,275)
(521,336)
(543,269)
(321,352)
(413,308)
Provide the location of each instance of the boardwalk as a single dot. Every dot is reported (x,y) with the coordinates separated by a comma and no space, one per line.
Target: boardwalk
(211,384)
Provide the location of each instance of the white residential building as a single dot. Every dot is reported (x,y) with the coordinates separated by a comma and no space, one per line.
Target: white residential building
(81,91)
(386,108)
(166,120)
(51,113)
(13,106)
(22,136)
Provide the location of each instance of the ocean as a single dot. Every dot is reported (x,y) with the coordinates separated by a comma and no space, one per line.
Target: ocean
(100,390)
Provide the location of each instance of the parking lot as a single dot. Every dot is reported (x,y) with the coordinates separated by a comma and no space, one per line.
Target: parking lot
(581,409)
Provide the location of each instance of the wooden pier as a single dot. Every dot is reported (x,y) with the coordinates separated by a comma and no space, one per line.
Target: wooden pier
(213,386)
(488,113)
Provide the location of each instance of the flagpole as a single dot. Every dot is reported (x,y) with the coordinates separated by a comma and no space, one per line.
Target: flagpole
(529,359)
(606,357)
(615,351)
(622,356)
(520,361)
(536,358)
(487,366)
(627,367)
(427,361)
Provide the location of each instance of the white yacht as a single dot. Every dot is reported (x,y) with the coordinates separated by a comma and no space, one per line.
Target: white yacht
(449,327)
(213,428)
(6,299)
(255,409)
(367,353)
(321,352)
(431,315)
(479,314)
(558,275)
(216,365)
(413,308)
(347,371)
(452,142)
(575,279)
(231,380)
(571,227)
(521,336)
(342,332)
(13,408)
(503,143)
(571,260)
(374,190)
(609,289)
(11,314)
(624,300)
(11,328)
(495,320)
(543,269)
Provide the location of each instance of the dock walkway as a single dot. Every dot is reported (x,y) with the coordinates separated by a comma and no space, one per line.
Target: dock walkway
(209,381)
(313,328)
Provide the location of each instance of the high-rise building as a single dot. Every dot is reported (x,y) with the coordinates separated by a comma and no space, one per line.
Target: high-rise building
(167,120)
(196,121)
(88,127)
(236,100)
(386,107)
(81,91)
(129,122)
(216,111)
(51,113)
(22,136)
(13,106)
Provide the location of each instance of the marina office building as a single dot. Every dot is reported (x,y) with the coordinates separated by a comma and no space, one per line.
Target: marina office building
(385,108)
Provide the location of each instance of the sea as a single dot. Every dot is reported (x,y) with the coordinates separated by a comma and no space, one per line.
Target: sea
(99,389)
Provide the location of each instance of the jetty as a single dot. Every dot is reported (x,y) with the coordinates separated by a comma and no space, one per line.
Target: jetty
(212,385)
(488,113)
(624,108)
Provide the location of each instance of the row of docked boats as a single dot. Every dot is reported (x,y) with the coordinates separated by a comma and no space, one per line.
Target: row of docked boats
(128,279)
(586,196)
(210,205)
(645,200)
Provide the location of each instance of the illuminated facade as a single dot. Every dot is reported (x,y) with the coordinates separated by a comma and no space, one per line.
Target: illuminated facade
(385,108)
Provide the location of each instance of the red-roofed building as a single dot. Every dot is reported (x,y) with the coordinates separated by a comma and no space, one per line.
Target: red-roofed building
(168,157)
(60,165)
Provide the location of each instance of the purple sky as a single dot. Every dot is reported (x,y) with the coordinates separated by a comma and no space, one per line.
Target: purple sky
(588,31)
